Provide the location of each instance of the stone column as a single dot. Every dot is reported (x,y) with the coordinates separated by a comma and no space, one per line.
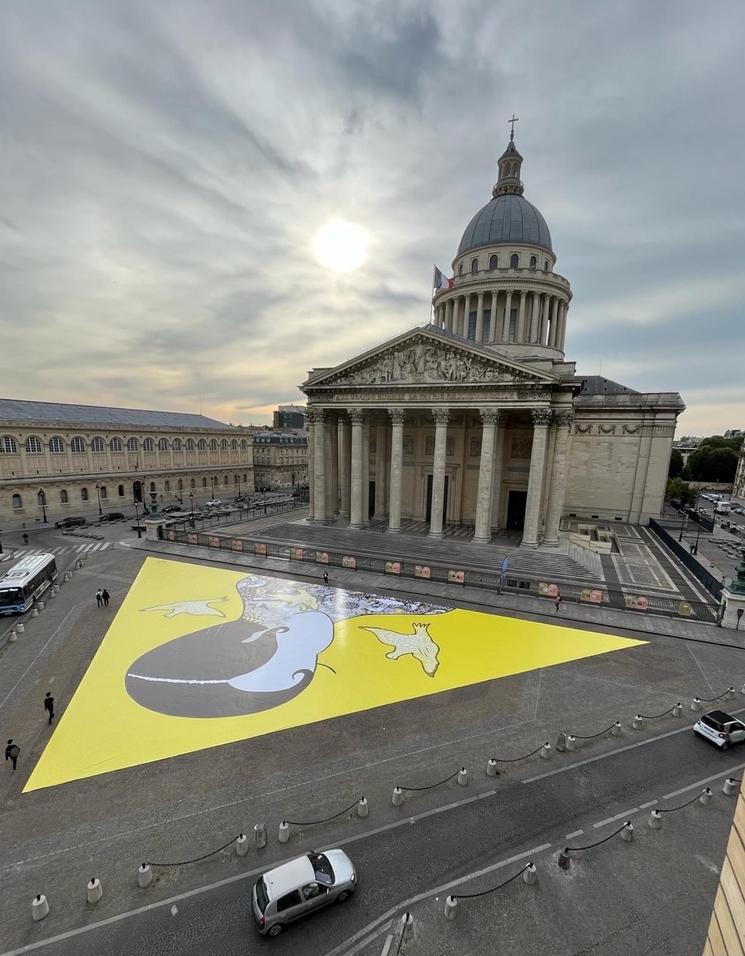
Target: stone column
(541,421)
(441,416)
(538,330)
(366,473)
(311,420)
(521,319)
(381,469)
(562,424)
(343,444)
(332,467)
(319,466)
(554,319)
(506,321)
(398,418)
(447,315)
(355,505)
(497,472)
(466,312)
(479,318)
(493,325)
(482,527)
(562,326)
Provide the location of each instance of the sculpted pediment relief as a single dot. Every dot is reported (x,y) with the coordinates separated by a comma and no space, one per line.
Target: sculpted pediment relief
(424,360)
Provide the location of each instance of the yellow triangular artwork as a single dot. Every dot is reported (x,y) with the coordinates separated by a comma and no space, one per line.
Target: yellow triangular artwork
(199,656)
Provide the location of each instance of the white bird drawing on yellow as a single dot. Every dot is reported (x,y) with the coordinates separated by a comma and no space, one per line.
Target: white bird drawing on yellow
(194,608)
(419,644)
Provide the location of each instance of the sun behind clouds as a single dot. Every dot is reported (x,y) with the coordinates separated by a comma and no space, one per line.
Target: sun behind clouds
(340,245)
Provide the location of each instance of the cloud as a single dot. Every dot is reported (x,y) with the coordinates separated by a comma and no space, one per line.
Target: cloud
(166,166)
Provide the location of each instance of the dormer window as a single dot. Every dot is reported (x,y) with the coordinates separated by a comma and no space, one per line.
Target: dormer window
(493,262)
(533,262)
(460,269)
(545,266)
(474,266)
(513,260)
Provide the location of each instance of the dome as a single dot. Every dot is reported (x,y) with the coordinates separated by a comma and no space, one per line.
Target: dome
(507,218)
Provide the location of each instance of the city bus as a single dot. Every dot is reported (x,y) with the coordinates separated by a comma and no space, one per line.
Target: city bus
(25,582)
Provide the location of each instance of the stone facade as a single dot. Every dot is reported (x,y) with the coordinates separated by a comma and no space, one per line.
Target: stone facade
(280,460)
(55,463)
(478,418)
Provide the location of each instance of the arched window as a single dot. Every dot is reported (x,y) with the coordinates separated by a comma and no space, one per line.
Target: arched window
(202,445)
(545,265)
(235,479)
(83,494)
(193,483)
(245,478)
(190,444)
(162,444)
(103,492)
(474,266)
(204,482)
(180,485)
(152,486)
(56,445)
(132,444)
(460,269)
(533,262)
(8,445)
(224,444)
(234,445)
(177,444)
(78,445)
(33,445)
(167,485)
(213,445)
(17,502)
(244,444)
(63,497)
(225,479)
(120,491)
(97,444)
(148,445)
(492,262)
(116,444)
(513,260)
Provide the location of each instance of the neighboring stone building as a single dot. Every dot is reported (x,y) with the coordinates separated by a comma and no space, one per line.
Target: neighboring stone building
(478,418)
(739,487)
(280,460)
(289,417)
(63,459)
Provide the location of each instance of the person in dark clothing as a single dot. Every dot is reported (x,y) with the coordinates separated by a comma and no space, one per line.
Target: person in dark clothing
(557,602)
(106,596)
(49,705)
(99,597)
(325,577)
(11,752)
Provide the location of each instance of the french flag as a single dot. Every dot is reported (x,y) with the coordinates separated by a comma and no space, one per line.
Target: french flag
(440,281)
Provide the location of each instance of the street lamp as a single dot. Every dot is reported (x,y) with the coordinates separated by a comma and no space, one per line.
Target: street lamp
(191,502)
(682,526)
(42,505)
(98,492)
(212,486)
(137,516)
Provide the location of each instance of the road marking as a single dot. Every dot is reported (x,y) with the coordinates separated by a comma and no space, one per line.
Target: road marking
(571,836)
(649,803)
(702,783)
(618,816)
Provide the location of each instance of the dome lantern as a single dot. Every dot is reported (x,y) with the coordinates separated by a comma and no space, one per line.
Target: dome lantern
(508,180)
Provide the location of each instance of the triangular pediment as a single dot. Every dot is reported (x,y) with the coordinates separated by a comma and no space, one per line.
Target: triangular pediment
(425,357)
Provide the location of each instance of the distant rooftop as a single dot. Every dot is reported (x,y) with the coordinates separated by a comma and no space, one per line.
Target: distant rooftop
(597,385)
(12,409)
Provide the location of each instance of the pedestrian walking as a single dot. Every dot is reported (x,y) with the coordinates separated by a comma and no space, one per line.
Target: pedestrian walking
(325,577)
(11,752)
(557,602)
(49,705)
(99,597)
(106,596)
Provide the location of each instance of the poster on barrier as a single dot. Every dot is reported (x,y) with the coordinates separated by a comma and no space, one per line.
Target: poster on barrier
(422,571)
(192,538)
(457,577)
(685,609)
(348,561)
(236,545)
(593,595)
(547,590)
(171,535)
(636,602)
(213,541)
(260,549)
(296,554)
(392,567)
(322,557)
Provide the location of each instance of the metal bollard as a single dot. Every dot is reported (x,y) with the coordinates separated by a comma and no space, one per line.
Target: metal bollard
(729,786)
(144,875)
(638,722)
(627,834)
(616,729)
(241,845)
(696,704)
(655,819)
(451,907)
(546,751)
(705,797)
(491,767)
(398,797)
(462,777)
(260,835)
(39,907)
(94,890)
(677,709)
(363,808)
(571,743)
(564,860)
(284,832)
(530,874)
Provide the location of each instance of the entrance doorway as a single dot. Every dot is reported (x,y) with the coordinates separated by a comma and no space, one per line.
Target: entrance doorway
(371,500)
(516,501)
(428,514)
(137,491)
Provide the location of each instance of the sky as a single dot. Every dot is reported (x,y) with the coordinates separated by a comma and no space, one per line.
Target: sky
(165,167)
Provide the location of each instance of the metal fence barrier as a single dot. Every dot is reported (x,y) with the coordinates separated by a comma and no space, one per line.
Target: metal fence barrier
(712,585)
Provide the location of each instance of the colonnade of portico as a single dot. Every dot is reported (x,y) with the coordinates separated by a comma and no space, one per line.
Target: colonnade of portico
(505,316)
(340,473)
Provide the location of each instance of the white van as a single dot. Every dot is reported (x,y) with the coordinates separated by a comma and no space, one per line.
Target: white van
(722,508)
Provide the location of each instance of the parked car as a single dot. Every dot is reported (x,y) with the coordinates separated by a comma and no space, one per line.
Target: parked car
(298,888)
(112,516)
(169,508)
(70,522)
(213,503)
(720,729)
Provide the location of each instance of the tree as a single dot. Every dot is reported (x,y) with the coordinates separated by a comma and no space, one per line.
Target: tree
(715,459)
(681,491)
(676,464)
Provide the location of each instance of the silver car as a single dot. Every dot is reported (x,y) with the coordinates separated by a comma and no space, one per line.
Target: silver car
(300,887)
(720,729)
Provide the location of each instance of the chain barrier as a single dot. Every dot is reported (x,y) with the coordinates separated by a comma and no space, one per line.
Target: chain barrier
(711,700)
(591,846)
(431,786)
(198,858)
(663,714)
(473,896)
(312,823)
(517,759)
(682,806)
(599,734)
